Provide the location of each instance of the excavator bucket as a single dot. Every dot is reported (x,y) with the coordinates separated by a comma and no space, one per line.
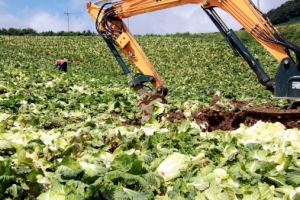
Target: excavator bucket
(147,99)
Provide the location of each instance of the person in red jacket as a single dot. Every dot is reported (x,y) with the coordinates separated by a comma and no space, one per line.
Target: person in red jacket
(63,65)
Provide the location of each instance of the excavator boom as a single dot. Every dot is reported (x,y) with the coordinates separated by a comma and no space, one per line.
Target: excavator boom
(109,24)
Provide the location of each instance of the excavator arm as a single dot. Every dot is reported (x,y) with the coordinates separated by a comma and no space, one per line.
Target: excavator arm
(109,24)
(116,34)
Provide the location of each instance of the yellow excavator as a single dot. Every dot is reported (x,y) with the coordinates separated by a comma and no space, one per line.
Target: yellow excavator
(108,17)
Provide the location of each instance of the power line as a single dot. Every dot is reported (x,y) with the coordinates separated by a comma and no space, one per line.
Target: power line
(67,13)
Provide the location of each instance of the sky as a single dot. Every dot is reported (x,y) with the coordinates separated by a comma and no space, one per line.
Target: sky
(42,15)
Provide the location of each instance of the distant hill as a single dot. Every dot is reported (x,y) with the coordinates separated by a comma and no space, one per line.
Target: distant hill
(288,11)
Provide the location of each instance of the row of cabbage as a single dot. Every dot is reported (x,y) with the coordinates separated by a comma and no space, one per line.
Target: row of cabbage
(63,135)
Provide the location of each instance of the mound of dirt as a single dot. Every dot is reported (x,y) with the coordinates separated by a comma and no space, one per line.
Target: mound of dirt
(219,118)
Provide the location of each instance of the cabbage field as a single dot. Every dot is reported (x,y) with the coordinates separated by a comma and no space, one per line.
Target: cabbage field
(79,135)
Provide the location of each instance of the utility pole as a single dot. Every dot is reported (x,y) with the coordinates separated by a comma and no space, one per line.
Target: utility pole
(67,13)
(258,5)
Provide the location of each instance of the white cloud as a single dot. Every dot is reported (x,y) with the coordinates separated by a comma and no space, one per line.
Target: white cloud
(82,22)
(186,11)
(43,21)
(8,21)
(169,21)
(187,18)
(2,4)
(266,5)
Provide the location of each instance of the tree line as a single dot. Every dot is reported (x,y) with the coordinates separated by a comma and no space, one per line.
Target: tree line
(32,32)
(288,11)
